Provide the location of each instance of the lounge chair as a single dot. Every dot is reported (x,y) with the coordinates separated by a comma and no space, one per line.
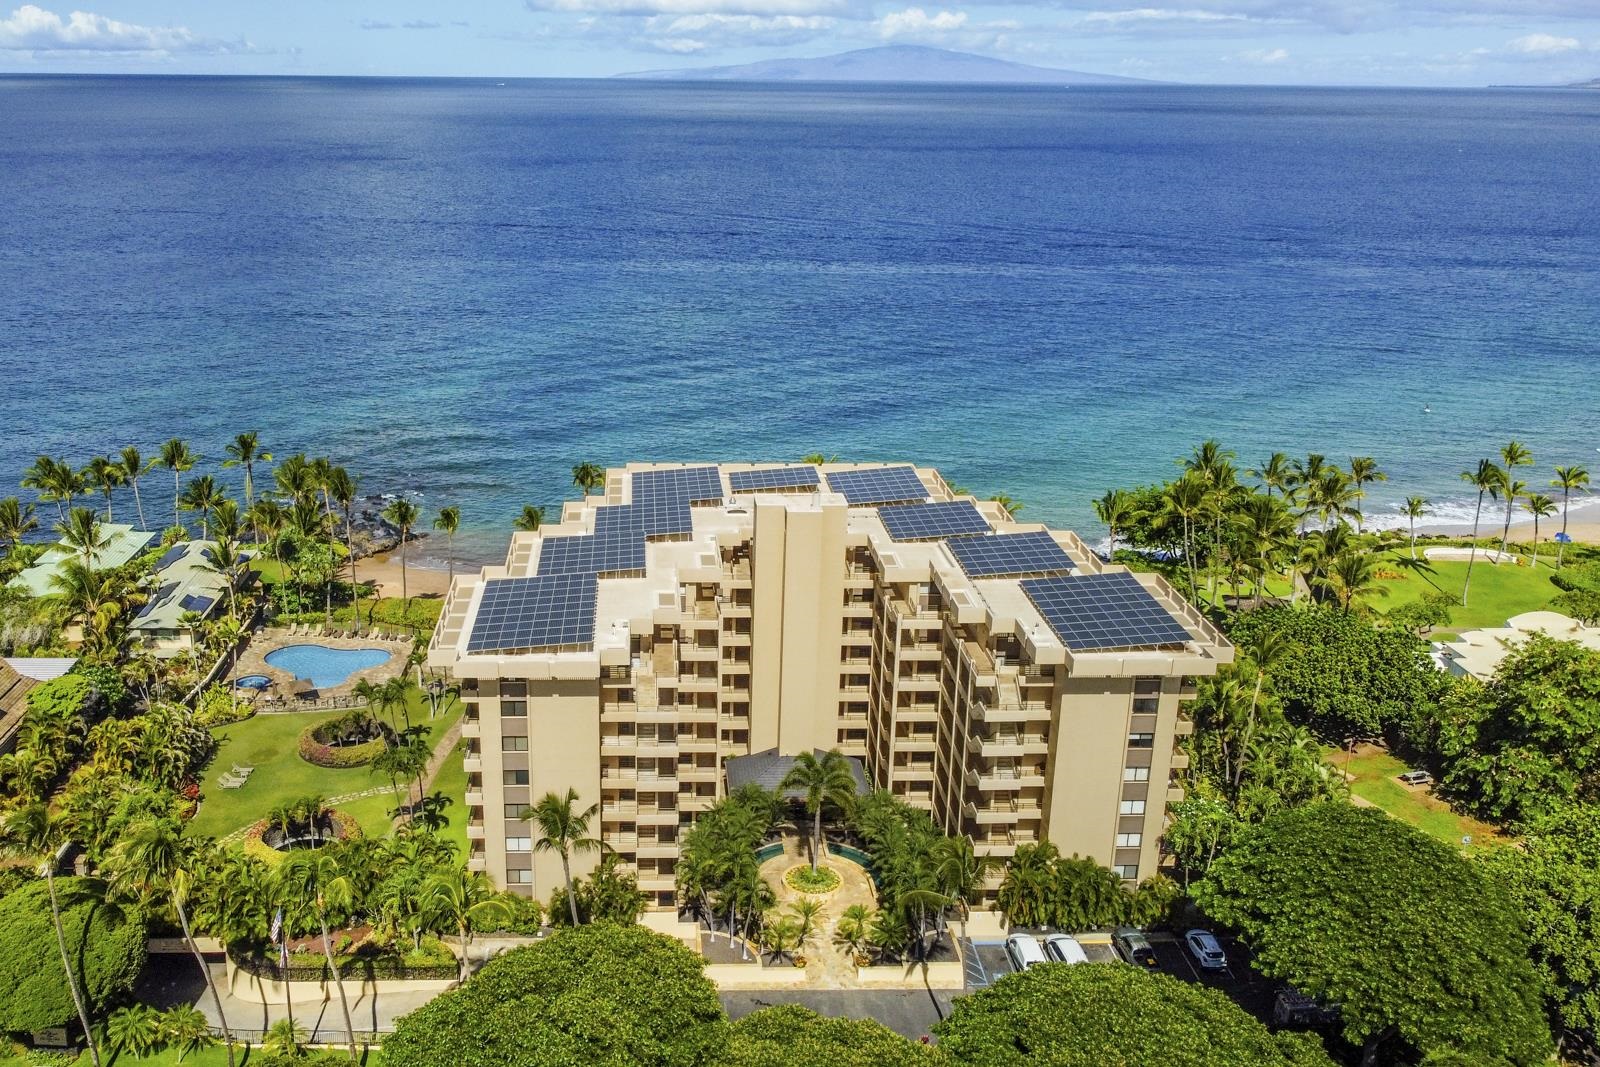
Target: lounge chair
(228,781)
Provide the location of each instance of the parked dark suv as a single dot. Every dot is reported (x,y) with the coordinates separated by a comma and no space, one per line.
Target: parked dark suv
(1133,948)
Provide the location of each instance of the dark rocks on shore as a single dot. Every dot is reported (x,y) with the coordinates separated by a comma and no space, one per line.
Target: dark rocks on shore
(371,533)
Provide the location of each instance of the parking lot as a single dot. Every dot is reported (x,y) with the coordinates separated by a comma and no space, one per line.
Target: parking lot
(987,962)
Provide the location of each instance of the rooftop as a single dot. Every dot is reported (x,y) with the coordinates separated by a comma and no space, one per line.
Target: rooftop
(182,583)
(1478,653)
(123,543)
(768,770)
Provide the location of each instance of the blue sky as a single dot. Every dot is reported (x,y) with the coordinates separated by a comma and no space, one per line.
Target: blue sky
(1388,42)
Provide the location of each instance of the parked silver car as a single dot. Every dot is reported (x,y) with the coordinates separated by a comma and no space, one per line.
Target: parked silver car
(1205,949)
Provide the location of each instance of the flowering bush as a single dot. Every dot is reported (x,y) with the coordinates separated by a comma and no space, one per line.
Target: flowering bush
(315,746)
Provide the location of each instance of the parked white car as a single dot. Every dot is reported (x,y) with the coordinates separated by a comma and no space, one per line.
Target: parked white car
(1205,949)
(1024,951)
(1061,948)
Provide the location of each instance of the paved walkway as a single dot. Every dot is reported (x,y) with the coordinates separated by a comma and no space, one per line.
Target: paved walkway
(827,965)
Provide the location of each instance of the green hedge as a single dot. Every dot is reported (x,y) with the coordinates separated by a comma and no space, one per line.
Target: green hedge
(314,750)
(107,943)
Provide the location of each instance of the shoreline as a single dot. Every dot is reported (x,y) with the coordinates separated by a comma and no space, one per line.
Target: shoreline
(1583,525)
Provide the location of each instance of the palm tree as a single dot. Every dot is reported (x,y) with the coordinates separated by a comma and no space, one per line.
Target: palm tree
(1115,509)
(1027,891)
(565,831)
(17,520)
(1185,499)
(456,897)
(1270,650)
(531,519)
(1363,469)
(227,562)
(449,521)
(1275,473)
(152,857)
(1486,478)
(104,475)
(852,929)
(245,451)
(202,495)
(590,477)
(342,487)
(1569,480)
(134,466)
(1011,505)
(818,459)
(1413,509)
(1353,574)
(823,781)
(318,881)
(54,480)
(177,458)
(268,519)
(1265,526)
(31,832)
(959,873)
(83,534)
(402,514)
(322,474)
(1540,507)
(1513,455)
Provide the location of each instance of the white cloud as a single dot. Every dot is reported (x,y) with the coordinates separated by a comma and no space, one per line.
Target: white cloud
(1543,44)
(33,29)
(915,22)
(1163,14)
(683,34)
(1264,56)
(690,7)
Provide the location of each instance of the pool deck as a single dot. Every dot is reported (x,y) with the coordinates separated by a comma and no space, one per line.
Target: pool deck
(269,640)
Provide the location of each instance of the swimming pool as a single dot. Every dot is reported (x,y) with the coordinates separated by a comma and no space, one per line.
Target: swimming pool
(325,667)
(252,681)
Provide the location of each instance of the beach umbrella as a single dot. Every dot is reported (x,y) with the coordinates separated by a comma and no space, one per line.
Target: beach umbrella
(1564,538)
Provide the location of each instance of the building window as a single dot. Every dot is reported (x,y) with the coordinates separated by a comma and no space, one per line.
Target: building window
(513,744)
(1136,774)
(519,844)
(513,709)
(516,777)
(1131,807)
(1141,740)
(517,811)
(519,877)
(1129,871)
(1123,840)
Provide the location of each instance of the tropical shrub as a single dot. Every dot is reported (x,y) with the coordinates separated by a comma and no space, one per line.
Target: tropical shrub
(106,942)
(1043,888)
(609,895)
(1094,1014)
(218,707)
(804,879)
(792,1036)
(1358,909)
(1581,604)
(602,994)
(516,915)
(317,740)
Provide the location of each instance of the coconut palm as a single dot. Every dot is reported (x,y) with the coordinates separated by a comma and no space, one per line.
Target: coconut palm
(84,535)
(960,872)
(1485,478)
(449,521)
(531,519)
(104,475)
(342,487)
(268,519)
(17,520)
(54,481)
(30,832)
(316,879)
(1569,480)
(177,457)
(805,911)
(457,899)
(245,451)
(1413,509)
(818,459)
(1363,470)
(590,477)
(1185,499)
(1115,509)
(1512,456)
(1540,507)
(1275,473)
(284,1037)
(135,466)
(402,514)
(295,479)
(322,476)
(1010,505)
(1351,575)
(825,781)
(201,496)
(152,859)
(1266,528)
(225,560)
(851,931)
(564,830)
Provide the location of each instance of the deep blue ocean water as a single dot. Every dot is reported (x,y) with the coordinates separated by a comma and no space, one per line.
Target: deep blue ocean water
(462,288)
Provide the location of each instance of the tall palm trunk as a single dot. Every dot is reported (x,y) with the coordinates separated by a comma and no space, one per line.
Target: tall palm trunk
(137,503)
(566,874)
(66,961)
(338,980)
(1473,554)
(816,838)
(1413,521)
(211,981)
(1188,557)
(1561,546)
(177,491)
(1505,533)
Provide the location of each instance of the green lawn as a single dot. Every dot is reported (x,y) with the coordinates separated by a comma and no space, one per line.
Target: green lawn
(1374,781)
(269,743)
(206,1057)
(452,782)
(1498,591)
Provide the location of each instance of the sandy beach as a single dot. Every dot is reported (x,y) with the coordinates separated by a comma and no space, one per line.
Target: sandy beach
(421,581)
(1583,525)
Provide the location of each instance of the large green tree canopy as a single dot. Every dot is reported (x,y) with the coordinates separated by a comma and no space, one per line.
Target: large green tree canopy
(792,1036)
(107,945)
(1555,879)
(1343,674)
(601,994)
(1358,909)
(1528,741)
(1111,1015)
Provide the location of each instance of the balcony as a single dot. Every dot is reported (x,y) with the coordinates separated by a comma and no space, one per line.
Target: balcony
(652,849)
(1004,781)
(471,728)
(1004,746)
(1180,761)
(472,764)
(619,811)
(1183,727)
(474,798)
(1011,713)
(916,742)
(657,817)
(912,772)
(475,831)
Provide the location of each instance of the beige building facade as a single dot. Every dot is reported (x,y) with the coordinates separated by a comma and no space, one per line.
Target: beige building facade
(995,673)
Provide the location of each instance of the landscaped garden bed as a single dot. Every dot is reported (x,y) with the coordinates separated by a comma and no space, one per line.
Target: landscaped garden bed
(351,740)
(803,879)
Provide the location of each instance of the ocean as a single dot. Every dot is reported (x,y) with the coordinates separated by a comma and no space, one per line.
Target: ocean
(459,289)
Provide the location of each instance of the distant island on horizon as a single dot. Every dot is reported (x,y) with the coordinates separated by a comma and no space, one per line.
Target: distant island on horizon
(892,63)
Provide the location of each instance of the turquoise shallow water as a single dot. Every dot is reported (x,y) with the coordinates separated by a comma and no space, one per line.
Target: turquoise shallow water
(461,289)
(325,667)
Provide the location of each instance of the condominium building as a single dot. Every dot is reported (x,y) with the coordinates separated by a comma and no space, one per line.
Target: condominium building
(996,673)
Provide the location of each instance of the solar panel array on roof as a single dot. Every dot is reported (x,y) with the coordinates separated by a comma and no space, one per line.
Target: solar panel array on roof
(171,556)
(526,613)
(617,551)
(922,522)
(202,604)
(879,485)
(1103,611)
(696,485)
(800,477)
(1010,555)
(659,508)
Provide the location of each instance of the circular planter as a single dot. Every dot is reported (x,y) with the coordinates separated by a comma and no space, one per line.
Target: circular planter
(267,842)
(801,880)
(321,744)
